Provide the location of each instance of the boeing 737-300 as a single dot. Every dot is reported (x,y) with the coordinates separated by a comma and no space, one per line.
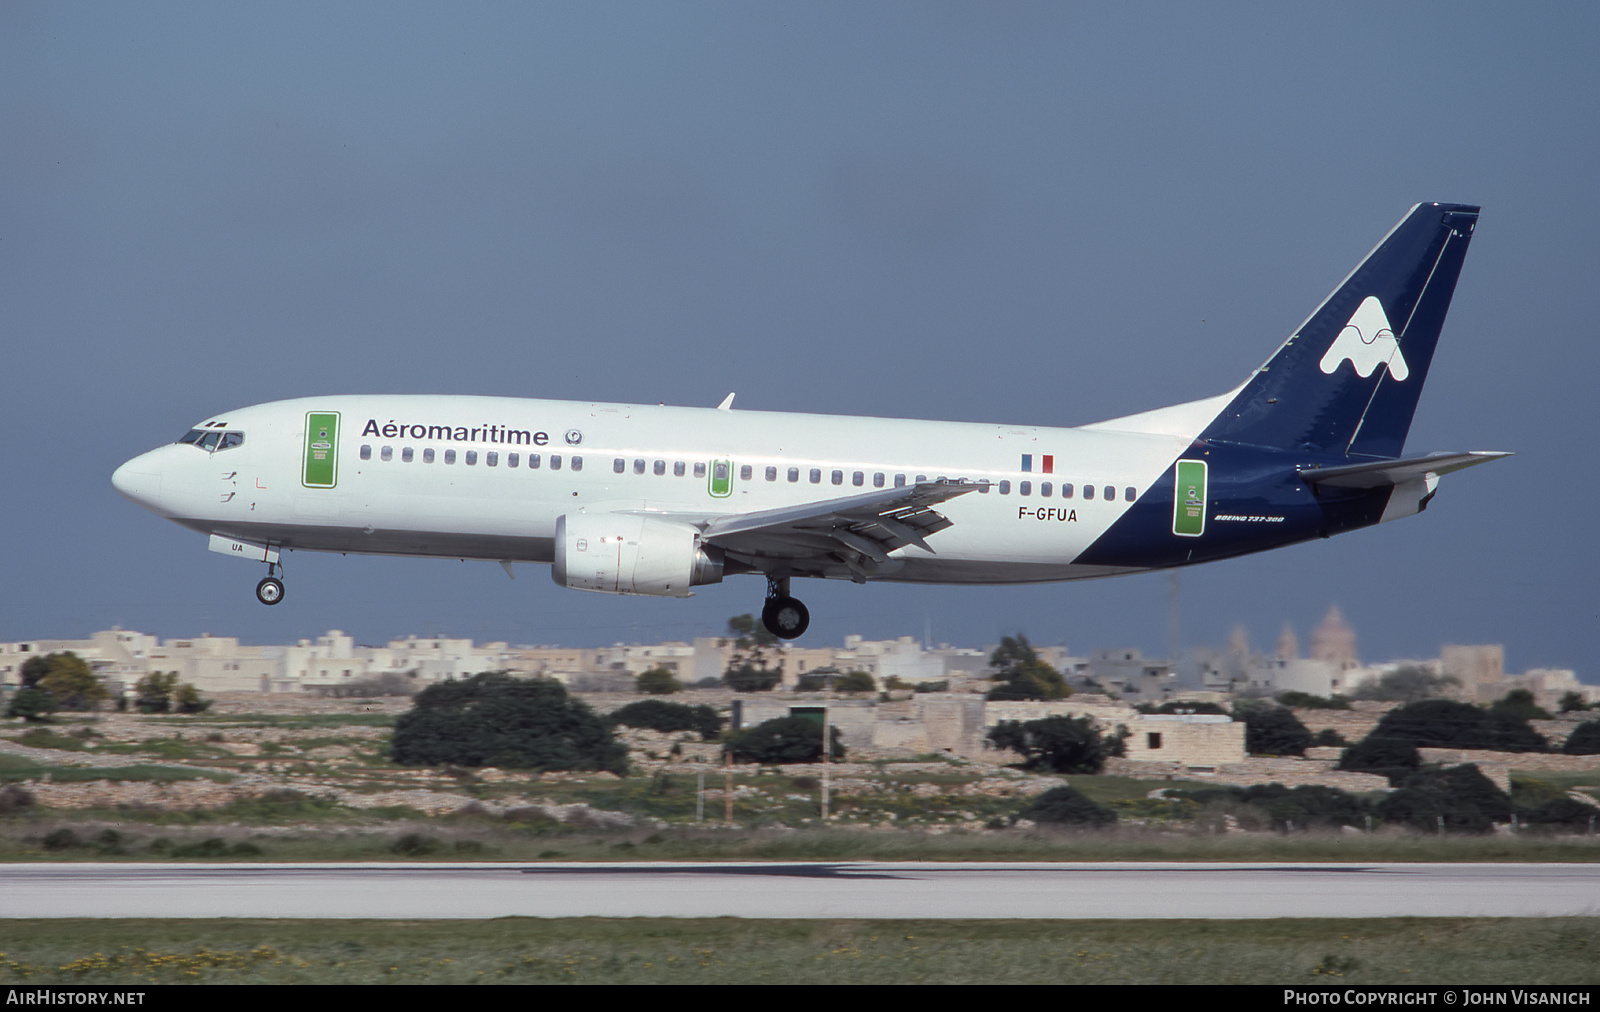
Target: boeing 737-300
(634,499)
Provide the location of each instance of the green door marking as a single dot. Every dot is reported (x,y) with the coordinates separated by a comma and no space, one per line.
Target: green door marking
(321,465)
(721,478)
(1189,499)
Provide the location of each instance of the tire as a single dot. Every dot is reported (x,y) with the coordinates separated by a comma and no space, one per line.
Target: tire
(270,590)
(785,618)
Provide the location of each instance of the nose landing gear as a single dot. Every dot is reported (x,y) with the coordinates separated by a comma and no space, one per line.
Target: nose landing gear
(784,616)
(270,590)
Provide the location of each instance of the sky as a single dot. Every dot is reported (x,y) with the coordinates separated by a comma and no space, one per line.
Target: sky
(1043,213)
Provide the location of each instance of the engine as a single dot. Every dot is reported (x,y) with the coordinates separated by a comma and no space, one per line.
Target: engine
(615,553)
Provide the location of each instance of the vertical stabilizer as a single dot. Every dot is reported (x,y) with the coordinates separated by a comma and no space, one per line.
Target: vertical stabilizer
(1347,382)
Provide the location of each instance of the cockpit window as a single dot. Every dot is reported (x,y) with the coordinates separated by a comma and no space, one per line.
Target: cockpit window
(212,439)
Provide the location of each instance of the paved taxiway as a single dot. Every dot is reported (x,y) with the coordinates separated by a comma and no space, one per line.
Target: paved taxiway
(800,889)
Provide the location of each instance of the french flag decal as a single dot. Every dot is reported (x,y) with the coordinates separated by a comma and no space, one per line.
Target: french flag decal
(1047,462)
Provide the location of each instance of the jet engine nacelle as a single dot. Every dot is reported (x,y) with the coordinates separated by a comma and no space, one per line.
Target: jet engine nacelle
(615,553)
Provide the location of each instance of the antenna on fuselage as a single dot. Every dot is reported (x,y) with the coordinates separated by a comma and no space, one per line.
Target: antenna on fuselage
(727,403)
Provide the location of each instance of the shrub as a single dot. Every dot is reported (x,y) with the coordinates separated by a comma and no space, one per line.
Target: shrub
(1065,806)
(1020,674)
(1308,806)
(783,740)
(1328,737)
(1055,744)
(492,719)
(1306,701)
(748,678)
(659,682)
(660,715)
(1520,703)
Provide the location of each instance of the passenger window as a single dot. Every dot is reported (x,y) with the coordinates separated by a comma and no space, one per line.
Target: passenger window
(838,479)
(533,465)
(1130,493)
(577,465)
(638,468)
(899,482)
(983,489)
(772,475)
(1088,493)
(794,475)
(744,475)
(877,482)
(427,458)
(492,458)
(1005,489)
(857,479)
(1023,488)
(366,454)
(405,457)
(1066,493)
(387,453)
(677,472)
(619,465)
(511,461)
(720,473)
(660,467)
(555,465)
(450,458)
(920,479)
(1109,493)
(816,478)
(472,459)
(1044,490)
(700,472)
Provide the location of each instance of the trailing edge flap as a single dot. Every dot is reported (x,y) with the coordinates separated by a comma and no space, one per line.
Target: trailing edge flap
(872,524)
(1382,473)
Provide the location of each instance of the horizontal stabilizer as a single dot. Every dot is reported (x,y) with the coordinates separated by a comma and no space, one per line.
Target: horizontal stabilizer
(1382,473)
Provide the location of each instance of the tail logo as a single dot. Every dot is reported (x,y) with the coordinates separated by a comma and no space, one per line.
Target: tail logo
(1368,342)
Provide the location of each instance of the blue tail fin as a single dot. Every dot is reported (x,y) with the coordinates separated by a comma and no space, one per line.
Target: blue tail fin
(1347,382)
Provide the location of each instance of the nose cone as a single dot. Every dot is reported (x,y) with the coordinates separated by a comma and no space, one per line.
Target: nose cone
(140,480)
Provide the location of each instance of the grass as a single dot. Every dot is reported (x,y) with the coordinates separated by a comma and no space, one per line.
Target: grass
(15,768)
(1455,951)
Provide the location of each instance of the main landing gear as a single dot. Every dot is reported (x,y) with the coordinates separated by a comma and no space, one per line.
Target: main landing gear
(784,616)
(270,590)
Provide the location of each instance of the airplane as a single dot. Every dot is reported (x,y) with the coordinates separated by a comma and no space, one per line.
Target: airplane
(656,500)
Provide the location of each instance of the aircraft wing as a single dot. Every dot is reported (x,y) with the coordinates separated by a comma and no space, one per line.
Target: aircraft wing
(838,531)
(1381,473)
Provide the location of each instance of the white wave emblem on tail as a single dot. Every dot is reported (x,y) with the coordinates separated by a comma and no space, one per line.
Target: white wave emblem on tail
(1368,342)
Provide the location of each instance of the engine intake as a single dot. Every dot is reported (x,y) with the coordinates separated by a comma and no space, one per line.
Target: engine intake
(615,553)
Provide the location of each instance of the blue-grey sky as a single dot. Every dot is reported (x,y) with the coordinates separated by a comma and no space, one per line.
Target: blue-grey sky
(1035,212)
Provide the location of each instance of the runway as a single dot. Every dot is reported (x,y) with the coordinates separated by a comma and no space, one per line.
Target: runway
(800,890)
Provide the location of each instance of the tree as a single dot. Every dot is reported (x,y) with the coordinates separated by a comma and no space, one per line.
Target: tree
(1460,798)
(153,693)
(493,719)
(659,682)
(1020,674)
(850,681)
(1055,744)
(783,740)
(1272,730)
(1408,684)
(32,705)
(71,683)
(755,665)
(1572,702)
(660,715)
(1444,723)
(1584,739)
(186,699)
(1065,806)
(1387,757)
(1520,703)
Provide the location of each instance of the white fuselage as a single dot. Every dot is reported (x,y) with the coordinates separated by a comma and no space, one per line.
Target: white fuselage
(452,476)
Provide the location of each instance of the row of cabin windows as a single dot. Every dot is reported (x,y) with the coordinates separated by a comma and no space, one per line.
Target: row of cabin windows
(619,465)
(491,458)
